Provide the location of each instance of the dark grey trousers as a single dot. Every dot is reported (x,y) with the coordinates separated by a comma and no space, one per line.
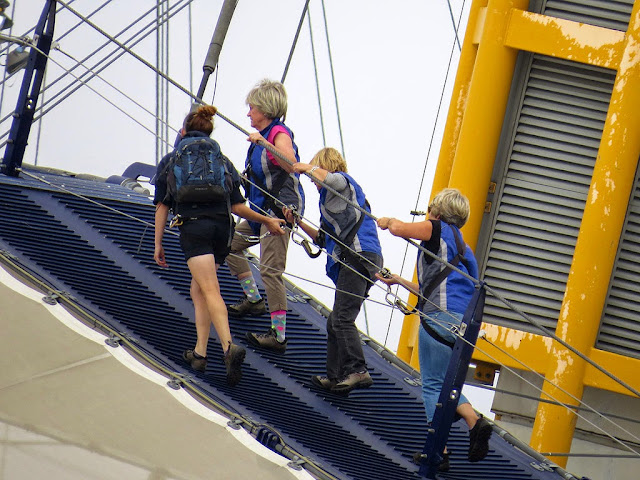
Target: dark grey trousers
(344,349)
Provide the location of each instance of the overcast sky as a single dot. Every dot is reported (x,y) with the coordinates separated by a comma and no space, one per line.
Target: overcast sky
(390,62)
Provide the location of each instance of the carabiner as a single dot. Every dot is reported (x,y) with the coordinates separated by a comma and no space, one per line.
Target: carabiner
(307,248)
(396,302)
(176,221)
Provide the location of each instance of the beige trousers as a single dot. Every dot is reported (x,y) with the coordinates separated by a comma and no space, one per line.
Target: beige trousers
(273,260)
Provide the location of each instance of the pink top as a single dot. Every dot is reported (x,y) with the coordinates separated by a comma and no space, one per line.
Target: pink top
(271,137)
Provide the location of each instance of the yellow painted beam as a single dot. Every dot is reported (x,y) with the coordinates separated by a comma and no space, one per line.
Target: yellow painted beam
(565,39)
(408,341)
(459,96)
(595,251)
(512,348)
(484,114)
(624,368)
(527,351)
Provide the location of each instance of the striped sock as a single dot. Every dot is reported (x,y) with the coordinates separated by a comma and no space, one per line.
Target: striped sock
(250,289)
(279,323)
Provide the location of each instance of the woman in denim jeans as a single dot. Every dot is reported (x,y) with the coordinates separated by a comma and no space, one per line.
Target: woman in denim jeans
(443,303)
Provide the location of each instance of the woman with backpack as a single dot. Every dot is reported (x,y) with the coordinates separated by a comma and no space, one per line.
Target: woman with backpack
(203,214)
(347,234)
(443,301)
(271,185)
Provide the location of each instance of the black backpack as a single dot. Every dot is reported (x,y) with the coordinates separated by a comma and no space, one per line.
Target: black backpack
(197,173)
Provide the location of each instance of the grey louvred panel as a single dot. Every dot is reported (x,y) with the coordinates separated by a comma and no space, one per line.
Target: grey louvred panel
(608,14)
(545,178)
(620,326)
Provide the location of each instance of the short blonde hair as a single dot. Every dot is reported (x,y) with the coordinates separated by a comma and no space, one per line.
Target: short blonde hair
(270,98)
(330,160)
(451,206)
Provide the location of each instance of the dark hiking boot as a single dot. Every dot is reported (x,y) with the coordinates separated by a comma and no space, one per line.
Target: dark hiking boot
(324,383)
(479,440)
(233,358)
(353,381)
(267,340)
(246,307)
(197,363)
(444,466)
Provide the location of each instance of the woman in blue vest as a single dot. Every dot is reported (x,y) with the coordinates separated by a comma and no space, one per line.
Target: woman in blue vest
(354,257)
(204,237)
(271,184)
(443,302)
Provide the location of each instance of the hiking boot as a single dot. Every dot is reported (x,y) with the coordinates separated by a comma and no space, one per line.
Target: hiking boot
(247,307)
(479,440)
(352,381)
(444,465)
(322,382)
(197,363)
(233,358)
(267,340)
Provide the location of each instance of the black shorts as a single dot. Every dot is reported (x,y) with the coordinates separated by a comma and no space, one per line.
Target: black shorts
(206,236)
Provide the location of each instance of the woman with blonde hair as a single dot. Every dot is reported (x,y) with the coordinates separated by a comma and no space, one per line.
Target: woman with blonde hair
(350,236)
(443,302)
(205,232)
(272,184)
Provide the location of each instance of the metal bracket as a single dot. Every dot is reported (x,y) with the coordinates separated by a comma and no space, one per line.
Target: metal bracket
(113,340)
(235,423)
(175,383)
(54,295)
(296,463)
(414,382)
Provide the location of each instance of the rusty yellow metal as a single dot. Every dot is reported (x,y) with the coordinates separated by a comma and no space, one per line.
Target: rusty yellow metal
(512,348)
(523,350)
(470,143)
(408,342)
(589,277)
(458,101)
(625,368)
(484,113)
(565,39)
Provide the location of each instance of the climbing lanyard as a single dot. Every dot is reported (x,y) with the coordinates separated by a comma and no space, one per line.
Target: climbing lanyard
(393,300)
(304,242)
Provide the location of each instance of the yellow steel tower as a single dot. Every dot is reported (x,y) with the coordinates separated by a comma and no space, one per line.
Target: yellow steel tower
(544,124)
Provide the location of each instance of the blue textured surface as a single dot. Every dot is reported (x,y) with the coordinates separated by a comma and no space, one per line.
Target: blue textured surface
(105,261)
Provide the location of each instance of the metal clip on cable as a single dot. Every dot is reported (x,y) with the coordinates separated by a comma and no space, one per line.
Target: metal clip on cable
(252,238)
(176,221)
(304,243)
(393,300)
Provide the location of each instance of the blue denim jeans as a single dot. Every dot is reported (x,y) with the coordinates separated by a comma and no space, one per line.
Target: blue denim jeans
(434,358)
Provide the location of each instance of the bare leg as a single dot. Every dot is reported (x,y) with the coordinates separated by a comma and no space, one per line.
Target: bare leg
(203,320)
(466,411)
(203,270)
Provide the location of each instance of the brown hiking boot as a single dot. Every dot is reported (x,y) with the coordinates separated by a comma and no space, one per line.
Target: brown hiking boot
(233,358)
(267,340)
(246,307)
(197,363)
(352,381)
(322,382)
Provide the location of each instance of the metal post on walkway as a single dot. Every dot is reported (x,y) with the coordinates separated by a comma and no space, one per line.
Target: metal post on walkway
(452,387)
(29,92)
